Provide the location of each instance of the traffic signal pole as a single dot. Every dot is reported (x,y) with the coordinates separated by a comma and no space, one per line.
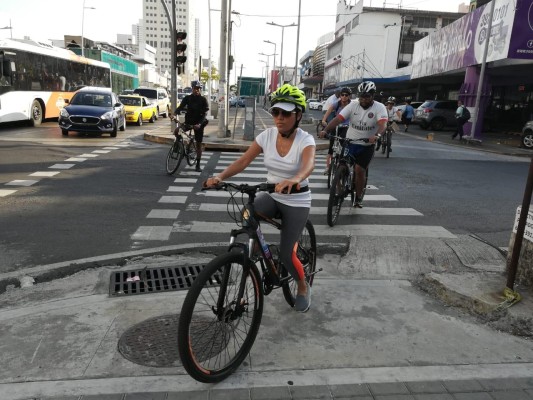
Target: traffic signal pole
(173,44)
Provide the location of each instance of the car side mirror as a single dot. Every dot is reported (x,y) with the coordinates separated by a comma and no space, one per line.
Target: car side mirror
(67,101)
(118,104)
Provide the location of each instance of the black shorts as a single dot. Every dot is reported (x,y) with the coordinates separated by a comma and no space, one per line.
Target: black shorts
(199,135)
(363,154)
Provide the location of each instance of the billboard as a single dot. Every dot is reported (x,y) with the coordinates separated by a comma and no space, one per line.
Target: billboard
(462,43)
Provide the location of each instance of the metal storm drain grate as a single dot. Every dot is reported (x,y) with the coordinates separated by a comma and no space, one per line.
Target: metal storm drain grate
(153,280)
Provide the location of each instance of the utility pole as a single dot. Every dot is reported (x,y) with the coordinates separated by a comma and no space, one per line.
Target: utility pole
(297,43)
(209,83)
(223,82)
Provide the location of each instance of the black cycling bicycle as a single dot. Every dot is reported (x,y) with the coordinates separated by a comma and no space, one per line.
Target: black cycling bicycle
(343,183)
(184,146)
(385,140)
(222,311)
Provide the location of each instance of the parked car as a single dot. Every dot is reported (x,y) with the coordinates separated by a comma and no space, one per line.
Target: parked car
(93,109)
(236,101)
(158,96)
(138,109)
(527,135)
(414,104)
(316,105)
(436,114)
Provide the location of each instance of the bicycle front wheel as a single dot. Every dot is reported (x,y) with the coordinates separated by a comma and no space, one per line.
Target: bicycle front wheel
(191,152)
(306,253)
(174,157)
(389,138)
(332,169)
(337,193)
(220,318)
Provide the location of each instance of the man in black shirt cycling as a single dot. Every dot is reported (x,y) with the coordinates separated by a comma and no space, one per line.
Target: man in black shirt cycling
(196,107)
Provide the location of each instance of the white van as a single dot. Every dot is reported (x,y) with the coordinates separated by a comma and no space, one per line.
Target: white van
(159,97)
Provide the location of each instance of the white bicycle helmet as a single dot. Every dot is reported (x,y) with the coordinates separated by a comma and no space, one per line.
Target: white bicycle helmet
(391,99)
(367,87)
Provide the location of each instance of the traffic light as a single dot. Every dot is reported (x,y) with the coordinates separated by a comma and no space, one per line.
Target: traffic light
(181,47)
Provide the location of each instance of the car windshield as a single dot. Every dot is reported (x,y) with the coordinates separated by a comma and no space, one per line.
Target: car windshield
(130,101)
(426,104)
(150,93)
(91,99)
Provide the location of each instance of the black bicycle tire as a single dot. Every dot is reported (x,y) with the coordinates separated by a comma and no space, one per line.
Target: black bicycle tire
(331,170)
(190,152)
(389,138)
(207,280)
(290,287)
(383,143)
(333,214)
(174,168)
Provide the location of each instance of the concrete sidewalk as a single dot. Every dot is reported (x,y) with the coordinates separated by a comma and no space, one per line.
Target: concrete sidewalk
(372,331)
(381,325)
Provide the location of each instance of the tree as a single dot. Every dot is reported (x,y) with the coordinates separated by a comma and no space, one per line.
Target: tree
(204,76)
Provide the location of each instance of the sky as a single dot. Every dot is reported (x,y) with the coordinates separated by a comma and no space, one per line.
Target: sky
(52,19)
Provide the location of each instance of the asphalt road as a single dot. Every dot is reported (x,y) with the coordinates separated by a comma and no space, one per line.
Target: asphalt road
(104,204)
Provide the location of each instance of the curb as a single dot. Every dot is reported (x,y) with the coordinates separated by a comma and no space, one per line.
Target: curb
(213,145)
(50,272)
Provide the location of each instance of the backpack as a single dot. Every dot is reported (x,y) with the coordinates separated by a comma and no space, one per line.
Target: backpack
(466,114)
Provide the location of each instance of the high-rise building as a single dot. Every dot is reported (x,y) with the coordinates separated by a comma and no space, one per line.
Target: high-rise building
(158,34)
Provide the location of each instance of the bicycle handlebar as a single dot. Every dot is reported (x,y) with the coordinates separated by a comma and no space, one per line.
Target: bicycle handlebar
(243,187)
(364,140)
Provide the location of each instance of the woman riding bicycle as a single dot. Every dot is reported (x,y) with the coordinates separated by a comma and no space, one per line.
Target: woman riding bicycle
(289,157)
(344,99)
(395,115)
(368,118)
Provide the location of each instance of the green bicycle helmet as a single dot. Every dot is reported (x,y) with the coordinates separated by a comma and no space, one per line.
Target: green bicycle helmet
(289,94)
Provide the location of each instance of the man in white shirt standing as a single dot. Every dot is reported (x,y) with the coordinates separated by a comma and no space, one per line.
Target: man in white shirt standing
(331,101)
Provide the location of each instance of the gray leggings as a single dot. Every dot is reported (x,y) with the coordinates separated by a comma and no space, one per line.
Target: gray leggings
(293,220)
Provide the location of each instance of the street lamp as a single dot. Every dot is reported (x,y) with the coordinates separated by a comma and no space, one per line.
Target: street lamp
(266,73)
(10,29)
(267,65)
(274,64)
(82,22)
(281,52)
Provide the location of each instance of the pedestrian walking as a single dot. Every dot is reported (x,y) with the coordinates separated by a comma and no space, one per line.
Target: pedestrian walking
(462,115)
(407,115)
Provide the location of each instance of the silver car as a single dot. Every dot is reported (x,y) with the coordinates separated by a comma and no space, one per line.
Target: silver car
(527,135)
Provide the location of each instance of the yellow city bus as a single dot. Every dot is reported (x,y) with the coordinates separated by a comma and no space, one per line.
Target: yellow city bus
(36,78)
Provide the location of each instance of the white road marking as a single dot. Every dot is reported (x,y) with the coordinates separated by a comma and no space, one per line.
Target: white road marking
(22,182)
(88,155)
(173,199)
(101,151)
(385,211)
(316,196)
(325,230)
(180,189)
(167,214)
(152,233)
(80,159)
(45,173)
(185,180)
(62,166)
(6,192)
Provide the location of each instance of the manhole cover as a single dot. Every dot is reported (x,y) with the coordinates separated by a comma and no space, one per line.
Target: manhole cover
(154,343)
(152,280)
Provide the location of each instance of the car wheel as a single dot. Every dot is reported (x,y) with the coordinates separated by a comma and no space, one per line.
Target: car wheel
(152,118)
(114,132)
(140,120)
(123,127)
(438,124)
(157,114)
(423,125)
(64,132)
(527,139)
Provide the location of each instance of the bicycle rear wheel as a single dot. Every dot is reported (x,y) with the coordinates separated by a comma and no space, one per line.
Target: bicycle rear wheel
(174,157)
(306,253)
(336,194)
(220,318)
(190,152)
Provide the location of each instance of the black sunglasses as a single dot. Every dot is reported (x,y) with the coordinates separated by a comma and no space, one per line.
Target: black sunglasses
(365,95)
(276,112)
(345,94)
